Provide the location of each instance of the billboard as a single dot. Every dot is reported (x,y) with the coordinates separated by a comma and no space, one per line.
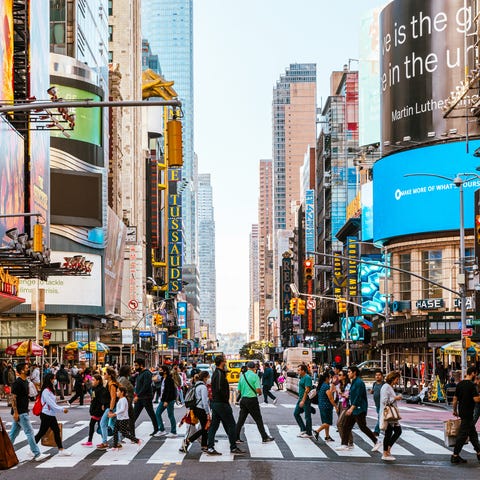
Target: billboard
(368,75)
(73,291)
(11,178)
(370,276)
(88,121)
(6,50)
(182,315)
(309,221)
(421,62)
(420,204)
(39,57)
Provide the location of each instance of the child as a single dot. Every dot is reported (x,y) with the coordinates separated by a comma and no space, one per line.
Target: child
(97,407)
(122,423)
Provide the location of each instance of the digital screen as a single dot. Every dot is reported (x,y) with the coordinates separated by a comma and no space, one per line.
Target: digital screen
(76,198)
(423,203)
(355,331)
(370,276)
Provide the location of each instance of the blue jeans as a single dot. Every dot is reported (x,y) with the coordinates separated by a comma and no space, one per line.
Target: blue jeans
(297,413)
(24,423)
(104,425)
(160,409)
(377,426)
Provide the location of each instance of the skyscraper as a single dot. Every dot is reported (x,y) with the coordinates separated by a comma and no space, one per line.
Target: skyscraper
(294,125)
(254,314)
(168,26)
(206,253)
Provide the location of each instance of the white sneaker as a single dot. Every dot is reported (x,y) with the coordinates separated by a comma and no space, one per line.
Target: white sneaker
(64,453)
(171,435)
(343,448)
(275,401)
(305,435)
(376,447)
(161,433)
(300,434)
(388,458)
(41,457)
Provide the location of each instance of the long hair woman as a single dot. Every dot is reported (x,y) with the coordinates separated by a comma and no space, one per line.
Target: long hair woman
(326,402)
(48,417)
(111,385)
(343,394)
(392,428)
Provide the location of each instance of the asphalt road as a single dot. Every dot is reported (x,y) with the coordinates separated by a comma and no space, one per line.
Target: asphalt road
(420,452)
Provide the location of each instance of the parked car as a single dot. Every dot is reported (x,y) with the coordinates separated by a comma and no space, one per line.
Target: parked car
(367,368)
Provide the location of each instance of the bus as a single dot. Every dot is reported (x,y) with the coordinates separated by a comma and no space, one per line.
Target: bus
(292,358)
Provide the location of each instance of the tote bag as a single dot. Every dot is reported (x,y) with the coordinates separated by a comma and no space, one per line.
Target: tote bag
(8,458)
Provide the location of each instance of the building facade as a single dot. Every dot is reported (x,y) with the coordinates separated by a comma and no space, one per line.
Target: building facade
(254,287)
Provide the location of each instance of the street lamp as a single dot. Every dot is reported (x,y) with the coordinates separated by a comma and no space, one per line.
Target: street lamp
(458,181)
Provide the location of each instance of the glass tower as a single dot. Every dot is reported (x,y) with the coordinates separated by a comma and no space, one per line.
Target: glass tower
(168,26)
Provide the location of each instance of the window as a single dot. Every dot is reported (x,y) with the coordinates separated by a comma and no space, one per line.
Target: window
(432,270)
(110,8)
(110,33)
(405,284)
(110,56)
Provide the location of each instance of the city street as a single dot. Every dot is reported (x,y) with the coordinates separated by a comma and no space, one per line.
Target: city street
(421,445)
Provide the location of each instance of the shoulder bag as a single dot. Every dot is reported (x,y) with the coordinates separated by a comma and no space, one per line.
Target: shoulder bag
(391,413)
(8,458)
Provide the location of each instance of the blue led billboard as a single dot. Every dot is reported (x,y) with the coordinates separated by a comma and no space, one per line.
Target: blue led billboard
(370,276)
(419,204)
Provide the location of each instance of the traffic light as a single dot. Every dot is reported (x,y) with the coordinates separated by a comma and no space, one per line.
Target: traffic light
(43,321)
(301,306)
(341,305)
(467,342)
(37,238)
(158,319)
(308,269)
(293,305)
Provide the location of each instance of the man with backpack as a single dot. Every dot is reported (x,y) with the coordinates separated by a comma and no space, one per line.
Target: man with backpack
(21,419)
(62,381)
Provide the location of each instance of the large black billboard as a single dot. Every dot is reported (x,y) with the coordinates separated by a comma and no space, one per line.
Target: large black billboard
(422,60)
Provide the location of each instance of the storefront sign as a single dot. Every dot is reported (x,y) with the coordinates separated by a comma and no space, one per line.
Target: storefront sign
(8,283)
(175,237)
(430,304)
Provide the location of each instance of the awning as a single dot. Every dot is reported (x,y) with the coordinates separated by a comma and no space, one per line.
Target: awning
(9,301)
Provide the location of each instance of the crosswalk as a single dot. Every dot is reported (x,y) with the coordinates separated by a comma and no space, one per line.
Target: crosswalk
(287,445)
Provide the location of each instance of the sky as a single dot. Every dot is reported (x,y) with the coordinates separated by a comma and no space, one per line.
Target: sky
(240,51)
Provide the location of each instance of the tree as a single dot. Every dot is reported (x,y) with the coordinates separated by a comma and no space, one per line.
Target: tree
(254,350)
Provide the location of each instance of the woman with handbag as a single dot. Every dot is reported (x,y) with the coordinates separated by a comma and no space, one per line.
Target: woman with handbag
(343,404)
(48,419)
(391,416)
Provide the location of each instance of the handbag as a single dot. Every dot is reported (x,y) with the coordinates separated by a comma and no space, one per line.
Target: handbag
(312,393)
(48,440)
(8,457)
(452,427)
(391,413)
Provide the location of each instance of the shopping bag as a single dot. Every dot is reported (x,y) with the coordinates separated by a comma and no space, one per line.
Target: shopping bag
(450,431)
(8,458)
(48,440)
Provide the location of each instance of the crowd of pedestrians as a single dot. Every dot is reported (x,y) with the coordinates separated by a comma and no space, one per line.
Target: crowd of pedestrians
(118,395)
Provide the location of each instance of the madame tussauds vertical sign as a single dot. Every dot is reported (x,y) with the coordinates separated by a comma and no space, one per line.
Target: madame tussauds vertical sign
(422,61)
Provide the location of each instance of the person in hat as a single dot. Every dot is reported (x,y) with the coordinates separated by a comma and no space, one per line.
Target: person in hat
(249,388)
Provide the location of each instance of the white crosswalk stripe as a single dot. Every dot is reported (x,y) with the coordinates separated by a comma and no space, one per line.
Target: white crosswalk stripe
(286,445)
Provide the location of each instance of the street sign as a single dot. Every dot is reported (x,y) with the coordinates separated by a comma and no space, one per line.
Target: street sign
(47,335)
(132,304)
(475,322)
(467,332)
(311,304)
(145,333)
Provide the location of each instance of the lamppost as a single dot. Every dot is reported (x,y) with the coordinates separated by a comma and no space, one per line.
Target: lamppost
(458,181)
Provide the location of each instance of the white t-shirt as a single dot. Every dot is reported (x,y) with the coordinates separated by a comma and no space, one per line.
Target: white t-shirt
(122,409)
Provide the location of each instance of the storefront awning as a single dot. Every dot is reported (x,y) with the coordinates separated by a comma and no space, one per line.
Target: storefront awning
(9,301)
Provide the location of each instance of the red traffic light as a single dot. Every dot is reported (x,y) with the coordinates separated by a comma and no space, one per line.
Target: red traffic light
(308,264)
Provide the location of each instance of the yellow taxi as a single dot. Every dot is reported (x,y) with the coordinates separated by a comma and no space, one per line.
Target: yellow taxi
(234,368)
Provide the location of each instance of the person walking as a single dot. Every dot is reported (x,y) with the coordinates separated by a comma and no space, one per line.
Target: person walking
(326,404)
(393,430)
(48,419)
(21,419)
(202,411)
(97,406)
(375,391)
(168,396)
(303,403)
(268,379)
(124,381)
(122,423)
(144,394)
(357,412)
(343,404)
(249,388)
(62,381)
(79,387)
(464,400)
(111,401)
(221,409)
